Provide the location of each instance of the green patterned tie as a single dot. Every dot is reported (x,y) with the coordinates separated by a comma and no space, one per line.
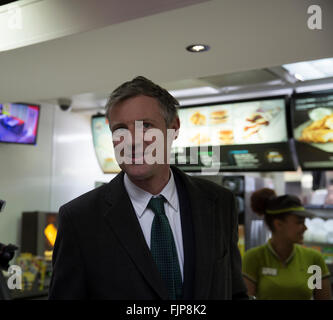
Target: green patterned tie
(163,249)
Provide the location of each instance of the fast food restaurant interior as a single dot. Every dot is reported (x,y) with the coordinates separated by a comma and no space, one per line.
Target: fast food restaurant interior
(256,85)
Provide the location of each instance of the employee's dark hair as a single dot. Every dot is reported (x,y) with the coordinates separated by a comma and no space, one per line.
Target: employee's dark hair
(259,201)
(143,86)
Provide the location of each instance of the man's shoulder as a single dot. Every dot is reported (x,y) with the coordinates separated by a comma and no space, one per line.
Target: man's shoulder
(210,187)
(91,197)
(85,200)
(207,184)
(93,200)
(204,185)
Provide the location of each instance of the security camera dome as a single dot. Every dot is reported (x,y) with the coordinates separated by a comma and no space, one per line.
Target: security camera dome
(64,104)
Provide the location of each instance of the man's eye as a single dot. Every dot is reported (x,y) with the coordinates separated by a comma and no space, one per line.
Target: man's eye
(120,132)
(146,125)
(120,128)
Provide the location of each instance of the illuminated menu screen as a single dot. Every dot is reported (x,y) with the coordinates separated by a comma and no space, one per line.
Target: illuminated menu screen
(245,136)
(103,144)
(313,130)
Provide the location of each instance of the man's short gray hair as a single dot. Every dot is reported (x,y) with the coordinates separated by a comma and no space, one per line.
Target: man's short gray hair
(143,86)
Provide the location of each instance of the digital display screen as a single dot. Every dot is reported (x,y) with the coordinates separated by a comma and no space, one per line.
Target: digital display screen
(103,144)
(19,123)
(247,135)
(313,130)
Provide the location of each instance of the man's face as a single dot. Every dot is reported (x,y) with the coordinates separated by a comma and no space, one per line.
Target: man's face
(125,117)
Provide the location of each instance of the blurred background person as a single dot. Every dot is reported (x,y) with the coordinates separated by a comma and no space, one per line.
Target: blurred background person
(279,268)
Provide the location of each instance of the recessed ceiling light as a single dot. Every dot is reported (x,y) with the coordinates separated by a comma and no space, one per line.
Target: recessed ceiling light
(197,48)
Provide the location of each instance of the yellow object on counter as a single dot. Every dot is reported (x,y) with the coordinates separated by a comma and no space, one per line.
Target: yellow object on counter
(50,233)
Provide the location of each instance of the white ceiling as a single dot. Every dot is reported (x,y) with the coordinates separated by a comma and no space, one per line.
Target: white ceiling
(88,65)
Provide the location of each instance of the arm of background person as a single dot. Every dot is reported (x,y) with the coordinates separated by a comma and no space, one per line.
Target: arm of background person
(251,287)
(68,280)
(325,292)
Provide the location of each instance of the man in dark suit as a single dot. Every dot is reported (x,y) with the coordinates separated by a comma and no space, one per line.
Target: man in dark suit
(152,232)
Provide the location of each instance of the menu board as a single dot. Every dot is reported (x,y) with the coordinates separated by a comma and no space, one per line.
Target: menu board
(103,144)
(248,135)
(313,130)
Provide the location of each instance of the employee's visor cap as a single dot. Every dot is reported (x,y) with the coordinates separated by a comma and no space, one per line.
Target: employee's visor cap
(287,204)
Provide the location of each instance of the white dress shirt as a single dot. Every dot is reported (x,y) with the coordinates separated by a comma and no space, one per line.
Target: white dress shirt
(140,199)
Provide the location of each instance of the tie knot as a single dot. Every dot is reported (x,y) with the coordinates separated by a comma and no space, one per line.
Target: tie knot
(157,205)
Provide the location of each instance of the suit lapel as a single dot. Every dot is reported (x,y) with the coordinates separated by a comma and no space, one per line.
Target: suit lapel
(123,222)
(202,212)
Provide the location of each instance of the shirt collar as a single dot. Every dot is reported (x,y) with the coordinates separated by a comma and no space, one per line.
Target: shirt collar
(140,197)
(276,255)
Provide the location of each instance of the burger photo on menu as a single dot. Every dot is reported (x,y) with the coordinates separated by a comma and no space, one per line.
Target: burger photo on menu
(226,136)
(219,116)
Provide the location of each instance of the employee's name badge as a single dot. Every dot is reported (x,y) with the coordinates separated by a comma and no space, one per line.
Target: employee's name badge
(269,271)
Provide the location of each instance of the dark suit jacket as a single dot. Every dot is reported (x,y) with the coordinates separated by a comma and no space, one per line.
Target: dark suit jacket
(100,251)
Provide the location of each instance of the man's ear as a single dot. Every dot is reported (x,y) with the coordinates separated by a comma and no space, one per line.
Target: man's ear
(175,125)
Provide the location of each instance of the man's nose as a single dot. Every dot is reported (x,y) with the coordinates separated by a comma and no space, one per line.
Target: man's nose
(136,135)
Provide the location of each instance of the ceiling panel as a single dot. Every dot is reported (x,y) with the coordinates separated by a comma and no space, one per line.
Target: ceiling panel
(243,36)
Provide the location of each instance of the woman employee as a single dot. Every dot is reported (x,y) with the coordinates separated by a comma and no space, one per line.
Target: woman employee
(279,269)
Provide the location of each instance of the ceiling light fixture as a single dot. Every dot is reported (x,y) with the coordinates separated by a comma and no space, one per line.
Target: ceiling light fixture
(235,96)
(311,70)
(197,48)
(299,77)
(191,92)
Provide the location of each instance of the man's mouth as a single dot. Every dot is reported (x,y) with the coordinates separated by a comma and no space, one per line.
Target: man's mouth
(137,158)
